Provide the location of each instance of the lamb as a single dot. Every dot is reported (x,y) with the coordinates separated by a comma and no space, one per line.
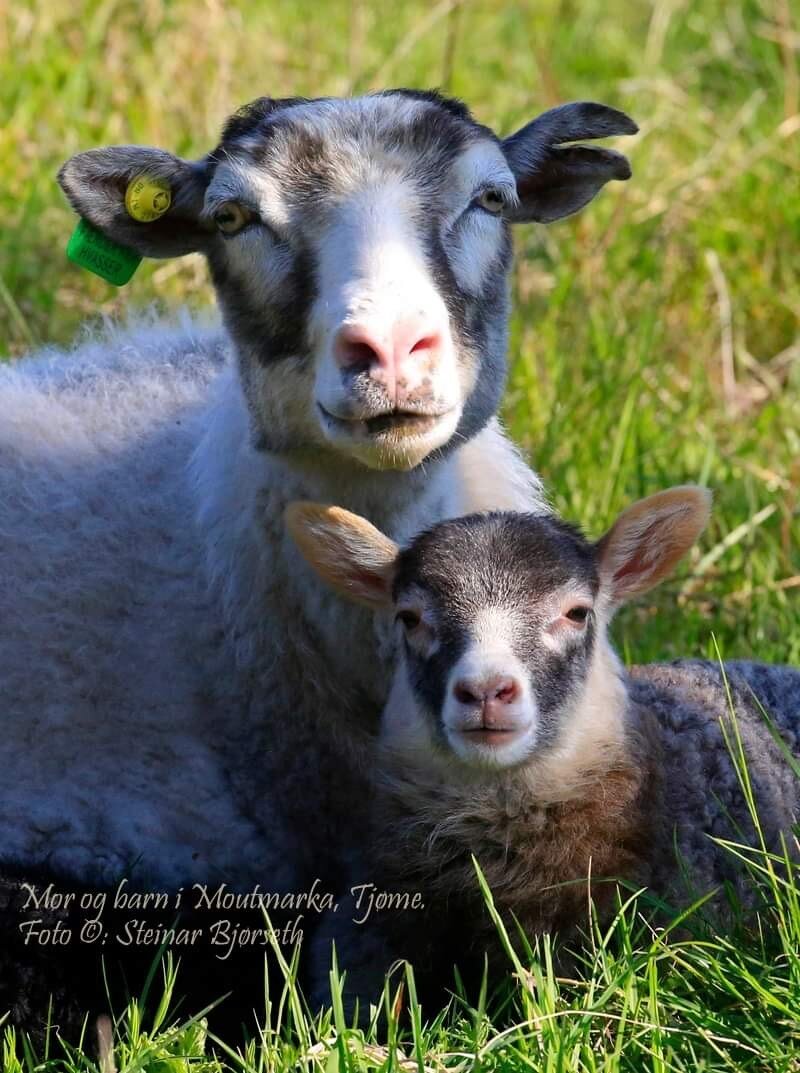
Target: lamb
(513,733)
(157,620)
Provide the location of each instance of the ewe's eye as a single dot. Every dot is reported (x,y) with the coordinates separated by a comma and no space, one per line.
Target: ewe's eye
(231,217)
(577,614)
(410,618)
(490,200)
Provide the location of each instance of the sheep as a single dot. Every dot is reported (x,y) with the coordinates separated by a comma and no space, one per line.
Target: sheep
(513,733)
(166,659)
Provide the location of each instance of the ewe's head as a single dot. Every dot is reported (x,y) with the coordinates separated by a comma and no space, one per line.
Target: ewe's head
(360,249)
(502,617)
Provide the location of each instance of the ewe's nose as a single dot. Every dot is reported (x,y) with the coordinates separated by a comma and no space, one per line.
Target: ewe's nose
(399,356)
(491,695)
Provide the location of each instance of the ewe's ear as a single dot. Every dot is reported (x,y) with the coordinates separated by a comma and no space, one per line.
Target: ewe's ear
(348,553)
(555,180)
(95,183)
(648,539)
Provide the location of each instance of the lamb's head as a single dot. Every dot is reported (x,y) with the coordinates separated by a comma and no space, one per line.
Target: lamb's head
(360,251)
(501,618)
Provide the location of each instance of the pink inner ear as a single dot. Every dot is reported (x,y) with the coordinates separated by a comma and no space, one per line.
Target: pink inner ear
(367,580)
(642,562)
(635,566)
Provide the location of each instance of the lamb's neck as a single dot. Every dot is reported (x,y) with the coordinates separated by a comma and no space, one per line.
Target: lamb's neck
(590,810)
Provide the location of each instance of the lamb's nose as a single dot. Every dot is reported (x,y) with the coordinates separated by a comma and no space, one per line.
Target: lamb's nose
(492,694)
(392,355)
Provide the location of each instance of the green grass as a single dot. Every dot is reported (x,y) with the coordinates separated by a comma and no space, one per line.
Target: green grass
(655,340)
(677,999)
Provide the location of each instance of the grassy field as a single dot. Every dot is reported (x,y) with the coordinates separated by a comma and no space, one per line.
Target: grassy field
(655,340)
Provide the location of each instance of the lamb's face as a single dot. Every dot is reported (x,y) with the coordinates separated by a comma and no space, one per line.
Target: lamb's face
(498,617)
(361,266)
(360,250)
(502,653)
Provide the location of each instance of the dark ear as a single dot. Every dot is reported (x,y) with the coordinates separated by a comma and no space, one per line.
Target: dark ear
(554,179)
(95,183)
(648,539)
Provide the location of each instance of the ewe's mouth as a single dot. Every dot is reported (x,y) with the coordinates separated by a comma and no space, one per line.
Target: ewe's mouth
(395,422)
(495,736)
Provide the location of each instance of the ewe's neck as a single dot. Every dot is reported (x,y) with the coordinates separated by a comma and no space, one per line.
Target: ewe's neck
(229,469)
(266,592)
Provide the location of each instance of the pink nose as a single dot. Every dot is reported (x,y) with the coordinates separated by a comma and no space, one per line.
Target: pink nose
(389,355)
(491,694)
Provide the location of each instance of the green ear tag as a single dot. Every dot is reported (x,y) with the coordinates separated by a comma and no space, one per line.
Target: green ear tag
(90,249)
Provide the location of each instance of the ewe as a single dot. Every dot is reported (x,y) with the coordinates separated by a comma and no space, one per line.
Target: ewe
(169,668)
(513,733)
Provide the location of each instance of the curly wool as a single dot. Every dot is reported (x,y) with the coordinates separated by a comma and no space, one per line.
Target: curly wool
(703,794)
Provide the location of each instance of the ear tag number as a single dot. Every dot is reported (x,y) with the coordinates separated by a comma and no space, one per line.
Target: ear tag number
(90,249)
(147,198)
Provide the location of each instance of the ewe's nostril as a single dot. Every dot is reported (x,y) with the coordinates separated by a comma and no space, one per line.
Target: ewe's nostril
(358,354)
(467,693)
(506,691)
(355,347)
(429,344)
(403,342)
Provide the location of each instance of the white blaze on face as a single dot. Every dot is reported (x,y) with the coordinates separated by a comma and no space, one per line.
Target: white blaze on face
(372,274)
(489,662)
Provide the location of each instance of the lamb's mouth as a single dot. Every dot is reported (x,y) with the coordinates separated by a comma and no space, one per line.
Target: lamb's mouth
(497,746)
(394,423)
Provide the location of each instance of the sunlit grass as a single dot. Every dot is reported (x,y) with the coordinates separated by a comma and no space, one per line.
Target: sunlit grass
(677,997)
(654,340)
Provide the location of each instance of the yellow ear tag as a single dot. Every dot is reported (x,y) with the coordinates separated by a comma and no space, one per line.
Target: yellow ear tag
(147,198)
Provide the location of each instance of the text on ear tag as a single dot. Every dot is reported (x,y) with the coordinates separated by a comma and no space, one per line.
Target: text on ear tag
(147,198)
(90,249)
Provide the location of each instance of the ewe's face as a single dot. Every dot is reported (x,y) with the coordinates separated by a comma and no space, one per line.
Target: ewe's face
(361,265)
(498,628)
(360,251)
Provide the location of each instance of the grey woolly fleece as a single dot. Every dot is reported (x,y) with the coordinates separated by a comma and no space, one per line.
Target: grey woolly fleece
(702,794)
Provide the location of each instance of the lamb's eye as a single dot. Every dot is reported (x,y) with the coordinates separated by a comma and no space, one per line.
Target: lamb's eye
(231,217)
(490,200)
(410,619)
(577,614)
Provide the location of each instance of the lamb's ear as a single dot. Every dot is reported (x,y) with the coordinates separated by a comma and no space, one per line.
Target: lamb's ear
(347,552)
(554,179)
(648,539)
(95,183)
